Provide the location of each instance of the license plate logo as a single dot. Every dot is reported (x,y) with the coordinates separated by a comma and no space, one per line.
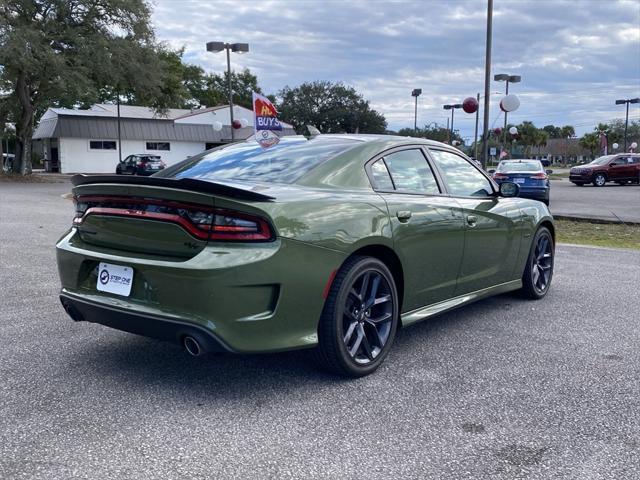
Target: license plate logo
(114,279)
(519,180)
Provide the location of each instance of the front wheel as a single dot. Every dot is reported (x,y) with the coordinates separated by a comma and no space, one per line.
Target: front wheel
(360,318)
(599,180)
(538,272)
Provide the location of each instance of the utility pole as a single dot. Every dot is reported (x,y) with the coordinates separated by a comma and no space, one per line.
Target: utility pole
(487,80)
(475,142)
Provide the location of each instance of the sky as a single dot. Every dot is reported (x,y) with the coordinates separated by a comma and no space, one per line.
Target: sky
(575,57)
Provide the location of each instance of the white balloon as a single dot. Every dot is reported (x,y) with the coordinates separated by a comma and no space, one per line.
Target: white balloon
(509,103)
(513,131)
(217,126)
(244,122)
(634,145)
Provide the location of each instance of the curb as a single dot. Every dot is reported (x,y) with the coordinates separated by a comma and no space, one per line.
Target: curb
(600,220)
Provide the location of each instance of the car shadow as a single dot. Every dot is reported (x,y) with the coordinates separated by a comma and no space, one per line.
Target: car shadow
(145,364)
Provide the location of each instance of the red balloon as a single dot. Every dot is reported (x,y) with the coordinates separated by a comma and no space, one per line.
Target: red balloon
(497,132)
(470,105)
(236,124)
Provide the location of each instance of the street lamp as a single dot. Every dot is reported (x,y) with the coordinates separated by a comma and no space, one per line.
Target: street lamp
(229,47)
(504,77)
(416,93)
(626,121)
(452,107)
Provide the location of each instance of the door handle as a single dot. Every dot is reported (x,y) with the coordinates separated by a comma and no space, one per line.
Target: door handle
(472,220)
(403,215)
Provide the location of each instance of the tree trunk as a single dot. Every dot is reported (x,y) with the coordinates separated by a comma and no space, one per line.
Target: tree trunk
(24,128)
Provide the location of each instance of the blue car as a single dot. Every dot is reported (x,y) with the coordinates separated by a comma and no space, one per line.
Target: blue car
(530,175)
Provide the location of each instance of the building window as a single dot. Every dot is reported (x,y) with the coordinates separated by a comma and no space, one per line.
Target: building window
(165,146)
(102,145)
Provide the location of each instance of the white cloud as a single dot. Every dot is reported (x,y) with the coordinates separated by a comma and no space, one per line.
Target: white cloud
(575,56)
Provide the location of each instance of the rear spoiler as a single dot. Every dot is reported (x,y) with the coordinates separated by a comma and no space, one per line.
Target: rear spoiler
(190,184)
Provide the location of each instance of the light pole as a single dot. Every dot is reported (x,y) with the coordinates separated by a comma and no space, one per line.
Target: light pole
(229,47)
(452,107)
(487,80)
(416,93)
(626,121)
(475,142)
(504,77)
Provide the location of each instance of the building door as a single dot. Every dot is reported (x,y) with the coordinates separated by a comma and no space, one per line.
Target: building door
(55,163)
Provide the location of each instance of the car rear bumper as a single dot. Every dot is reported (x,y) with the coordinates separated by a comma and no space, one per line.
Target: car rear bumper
(534,193)
(248,297)
(141,324)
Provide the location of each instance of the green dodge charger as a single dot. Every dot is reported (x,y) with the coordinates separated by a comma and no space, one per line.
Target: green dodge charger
(331,242)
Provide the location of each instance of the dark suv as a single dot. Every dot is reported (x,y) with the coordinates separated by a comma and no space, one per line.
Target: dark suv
(620,168)
(141,164)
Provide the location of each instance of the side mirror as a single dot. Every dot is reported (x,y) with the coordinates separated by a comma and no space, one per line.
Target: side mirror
(492,171)
(509,189)
(549,172)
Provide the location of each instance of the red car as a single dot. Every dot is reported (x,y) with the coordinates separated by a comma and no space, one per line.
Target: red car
(621,168)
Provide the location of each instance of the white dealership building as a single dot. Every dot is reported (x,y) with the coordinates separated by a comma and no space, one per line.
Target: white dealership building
(86,141)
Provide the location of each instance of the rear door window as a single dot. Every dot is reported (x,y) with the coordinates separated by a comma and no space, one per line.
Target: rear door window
(410,172)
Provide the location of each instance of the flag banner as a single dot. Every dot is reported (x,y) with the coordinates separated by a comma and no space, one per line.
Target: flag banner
(265,121)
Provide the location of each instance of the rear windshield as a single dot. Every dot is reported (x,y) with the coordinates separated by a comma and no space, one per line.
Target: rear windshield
(524,166)
(283,163)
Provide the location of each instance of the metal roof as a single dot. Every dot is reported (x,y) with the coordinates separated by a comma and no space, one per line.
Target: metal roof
(132,129)
(136,129)
(126,111)
(137,123)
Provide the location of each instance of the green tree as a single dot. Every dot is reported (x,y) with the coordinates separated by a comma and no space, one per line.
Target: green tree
(73,53)
(330,107)
(552,131)
(591,142)
(432,131)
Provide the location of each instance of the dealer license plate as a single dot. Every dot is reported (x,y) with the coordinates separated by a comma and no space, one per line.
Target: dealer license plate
(114,279)
(519,180)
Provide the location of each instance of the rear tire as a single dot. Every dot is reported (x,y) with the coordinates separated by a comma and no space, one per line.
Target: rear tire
(359,319)
(599,180)
(536,279)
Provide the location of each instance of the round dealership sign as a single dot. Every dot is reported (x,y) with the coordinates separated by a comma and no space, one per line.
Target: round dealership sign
(509,103)
(470,105)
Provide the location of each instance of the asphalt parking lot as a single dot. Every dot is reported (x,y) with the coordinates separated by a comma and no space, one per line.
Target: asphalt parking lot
(612,202)
(504,389)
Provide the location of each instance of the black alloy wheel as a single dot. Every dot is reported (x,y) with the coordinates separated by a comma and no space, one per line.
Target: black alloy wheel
(538,273)
(360,318)
(367,316)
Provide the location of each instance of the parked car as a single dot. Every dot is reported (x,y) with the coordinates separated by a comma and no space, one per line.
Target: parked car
(8,160)
(330,243)
(621,168)
(140,164)
(529,175)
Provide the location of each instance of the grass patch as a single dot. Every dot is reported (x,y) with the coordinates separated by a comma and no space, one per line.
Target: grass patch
(559,176)
(598,234)
(33,178)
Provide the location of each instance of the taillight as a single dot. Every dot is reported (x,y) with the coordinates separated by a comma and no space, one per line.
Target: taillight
(201,222)
(230,225)
(539,176)
(500,176)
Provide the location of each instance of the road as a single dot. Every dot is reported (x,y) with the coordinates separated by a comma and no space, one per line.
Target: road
(612,202)
(502,389)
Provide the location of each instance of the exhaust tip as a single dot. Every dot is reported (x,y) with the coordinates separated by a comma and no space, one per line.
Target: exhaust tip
(73,312)
(192,346)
